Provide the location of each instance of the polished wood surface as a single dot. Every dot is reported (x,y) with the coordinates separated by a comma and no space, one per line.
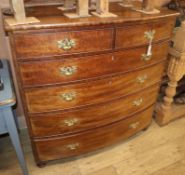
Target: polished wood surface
(97,91)
(45,43)
(135,35)
(61,147)
(91,117)
(36,73)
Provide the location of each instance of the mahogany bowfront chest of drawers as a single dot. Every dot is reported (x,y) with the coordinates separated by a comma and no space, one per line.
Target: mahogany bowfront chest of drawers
(91,82)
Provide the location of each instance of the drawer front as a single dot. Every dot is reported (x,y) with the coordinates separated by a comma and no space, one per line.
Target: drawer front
(61,147)
(91,117)
(67,70)
(62,43)
(137,35)
(65,97)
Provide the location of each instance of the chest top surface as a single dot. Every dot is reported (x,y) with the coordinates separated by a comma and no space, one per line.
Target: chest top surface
(52,17)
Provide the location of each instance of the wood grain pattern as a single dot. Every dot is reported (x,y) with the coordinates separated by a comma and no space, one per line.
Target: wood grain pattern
(46,44)
(91,117)
(107,64)
(48,72)
(135,35)
(55,148)
(52,98)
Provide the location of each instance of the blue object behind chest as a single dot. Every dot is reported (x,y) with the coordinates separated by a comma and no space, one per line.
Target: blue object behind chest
(7,98)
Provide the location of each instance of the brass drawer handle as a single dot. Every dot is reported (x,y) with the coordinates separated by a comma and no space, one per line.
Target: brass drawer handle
(142,79)
(138,102)
(73,146)
(146,57)
(149,35)
(71,122)
(66,44)
(68,96)
(67,71)
(134,125)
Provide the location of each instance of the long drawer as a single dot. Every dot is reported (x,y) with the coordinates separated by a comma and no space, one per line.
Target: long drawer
(53,43)
(93,92)
(61,147)
(133,36)
(49,124)
(37,73)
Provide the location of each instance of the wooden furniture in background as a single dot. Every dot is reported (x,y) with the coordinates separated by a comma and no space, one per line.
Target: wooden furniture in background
(88,83)
(82,10)
(19,14)
(7,120)
(126,3)
(102,9)
(168,111)
(180,5)
(152,6)
(68,5)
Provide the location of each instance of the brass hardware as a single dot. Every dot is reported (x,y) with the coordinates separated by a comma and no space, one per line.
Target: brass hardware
(68,96)
(146,57)
(142,79)
(66,44)
(149,35)
(138,102)
(73,146)
(71,122)
(134,125)
(68,70)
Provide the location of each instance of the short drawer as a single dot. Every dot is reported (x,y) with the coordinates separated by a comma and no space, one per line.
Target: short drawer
(93,92)
(74,145)
(37,73)
(132,36)
(54,43)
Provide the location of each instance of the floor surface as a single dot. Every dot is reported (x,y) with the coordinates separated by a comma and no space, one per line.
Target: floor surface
(157,151)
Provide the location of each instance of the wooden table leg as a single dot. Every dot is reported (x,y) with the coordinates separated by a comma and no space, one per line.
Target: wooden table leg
(11,127)
(167,111)
(164,112)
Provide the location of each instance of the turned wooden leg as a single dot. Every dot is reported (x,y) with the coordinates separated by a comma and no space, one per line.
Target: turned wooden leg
(175,73)
(164,111)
